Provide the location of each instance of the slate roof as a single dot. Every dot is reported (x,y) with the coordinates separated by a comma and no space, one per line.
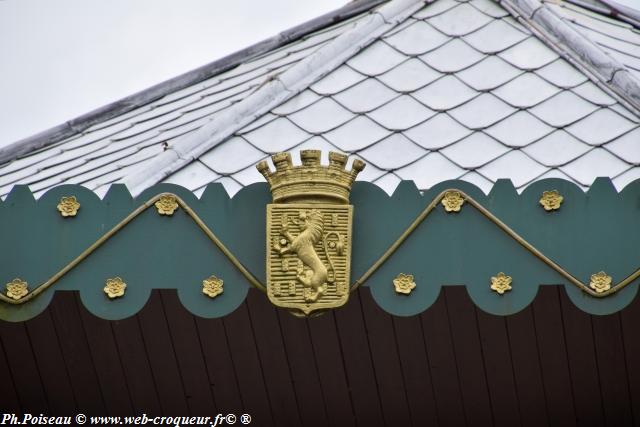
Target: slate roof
(448,89)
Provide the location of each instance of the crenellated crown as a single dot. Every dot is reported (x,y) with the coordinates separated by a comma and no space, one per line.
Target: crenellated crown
(311,182)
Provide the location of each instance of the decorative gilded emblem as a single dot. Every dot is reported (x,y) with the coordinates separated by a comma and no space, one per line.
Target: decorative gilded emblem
(68,206)
(551,200)
(166,205)
(600,282)
(17,288)
(452,201)
(114,287)
(212,286)
(309,231)
(404,283)
(501,283)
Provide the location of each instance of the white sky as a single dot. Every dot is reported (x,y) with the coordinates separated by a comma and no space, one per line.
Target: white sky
(62,58)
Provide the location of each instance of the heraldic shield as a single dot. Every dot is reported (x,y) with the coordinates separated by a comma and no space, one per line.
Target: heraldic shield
(309,231)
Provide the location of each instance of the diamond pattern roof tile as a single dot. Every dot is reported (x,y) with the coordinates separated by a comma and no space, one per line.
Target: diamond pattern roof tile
(563,109)
(556,149)
(445,93)
(409,76)
(340,79)
(474,151)
(526,91)
(393,152)
(417,39)
(453,56)
(482,111)
(521,169)
(376,59)
(600,127)
(365,96)
(519,129)
(495,37)
(561,74)
(627,147)
(322,116)
(597,162)
(460,20)
(401,113)
(437,132)
(530,54)
(277,135)
(488,74)
(356,134)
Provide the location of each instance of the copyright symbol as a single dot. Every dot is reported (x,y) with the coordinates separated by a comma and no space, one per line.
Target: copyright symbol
(231,419)
(81,418)
(245,419)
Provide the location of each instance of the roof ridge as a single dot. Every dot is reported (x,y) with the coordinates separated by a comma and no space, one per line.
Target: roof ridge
(275,90)
(579,50)
(79,124)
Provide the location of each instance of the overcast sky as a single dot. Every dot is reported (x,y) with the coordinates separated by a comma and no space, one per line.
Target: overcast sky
(63,58)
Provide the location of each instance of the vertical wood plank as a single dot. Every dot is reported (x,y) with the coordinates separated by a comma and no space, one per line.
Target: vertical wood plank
(247,366)
(162,357)
(630,321)
(581,354)
(443,367)
(104,353)
(499,369)
(135,363)
(77,356)
(7,383)
(612,369)
(466,343)
(415,370)
(382,341)
(302,362)
(357,360)
(219,361)
(24,369)
(186,341)
(46,350)
(323,332)
(527,370)
(553,357)
(275,363)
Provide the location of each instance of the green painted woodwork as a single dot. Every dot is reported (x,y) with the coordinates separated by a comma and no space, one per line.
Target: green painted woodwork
(592,231)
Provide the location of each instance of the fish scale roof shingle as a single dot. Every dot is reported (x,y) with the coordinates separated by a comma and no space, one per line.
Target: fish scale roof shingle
(457,90)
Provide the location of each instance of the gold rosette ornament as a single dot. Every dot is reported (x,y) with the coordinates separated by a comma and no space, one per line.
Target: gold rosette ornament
(501,283)
(551,200)
(17,288)
(452,201)
(166,205)
(68,206)
(114,287)
(600,282)
(404,283)
(212,286)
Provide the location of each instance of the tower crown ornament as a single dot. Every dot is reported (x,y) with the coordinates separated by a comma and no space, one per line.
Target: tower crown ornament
(310,182)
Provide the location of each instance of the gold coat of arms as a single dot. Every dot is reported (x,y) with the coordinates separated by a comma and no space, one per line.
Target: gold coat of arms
(309,231)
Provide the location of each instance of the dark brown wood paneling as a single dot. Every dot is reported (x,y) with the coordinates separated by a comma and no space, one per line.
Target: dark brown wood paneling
(274,360)
(415,370)
(357,360)
(630,320)
(248,369)
(328,352)
(188,353)
(384,352)
(581,353)
(106,358)
(443,366)
(154,324)
(613,370)
(75,348)
(53,371)
(553,357)
(498,369)
(304,370)
(526,369)
(466,343)
(23,367)
(135,363)
(453,365)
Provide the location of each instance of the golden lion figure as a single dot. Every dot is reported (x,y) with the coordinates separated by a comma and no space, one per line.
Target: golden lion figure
(302,245)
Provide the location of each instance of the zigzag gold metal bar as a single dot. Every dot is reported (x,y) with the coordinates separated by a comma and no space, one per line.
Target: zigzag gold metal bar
(528,246)
(387,254)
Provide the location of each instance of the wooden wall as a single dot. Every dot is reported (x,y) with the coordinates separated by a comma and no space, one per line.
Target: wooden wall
(454,365)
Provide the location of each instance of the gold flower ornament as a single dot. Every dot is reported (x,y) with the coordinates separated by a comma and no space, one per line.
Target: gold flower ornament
(600,282)
(166,205)
(501,283)
(452,201)
(404,283)
(114,287)
(212,286)
(17,288)
(68,206)
(551,200)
